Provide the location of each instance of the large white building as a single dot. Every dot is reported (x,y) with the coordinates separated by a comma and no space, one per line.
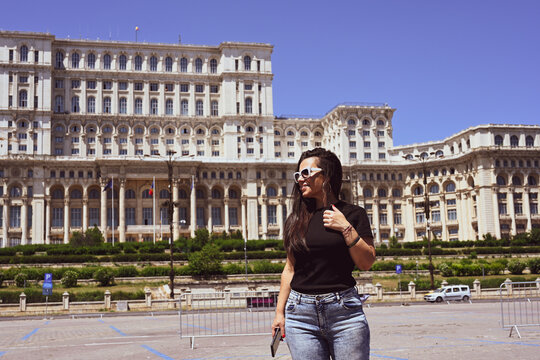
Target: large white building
(76,113)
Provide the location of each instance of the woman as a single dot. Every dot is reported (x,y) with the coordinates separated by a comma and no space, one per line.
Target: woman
(318,309)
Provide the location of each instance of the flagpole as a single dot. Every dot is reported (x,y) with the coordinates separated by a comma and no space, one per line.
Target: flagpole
(154,206)
(112,210)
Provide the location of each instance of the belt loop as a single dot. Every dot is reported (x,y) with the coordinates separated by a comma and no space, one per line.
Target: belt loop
(338,297)
(298,298)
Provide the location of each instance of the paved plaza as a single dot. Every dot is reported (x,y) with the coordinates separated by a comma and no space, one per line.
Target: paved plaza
(428,331)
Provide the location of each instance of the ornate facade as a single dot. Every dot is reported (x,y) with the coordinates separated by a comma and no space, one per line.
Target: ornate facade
(75,114)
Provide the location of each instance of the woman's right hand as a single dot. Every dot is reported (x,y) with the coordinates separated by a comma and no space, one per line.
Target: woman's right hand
(279,323)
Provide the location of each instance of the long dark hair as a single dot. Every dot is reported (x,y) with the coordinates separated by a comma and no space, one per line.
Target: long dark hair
(303,208)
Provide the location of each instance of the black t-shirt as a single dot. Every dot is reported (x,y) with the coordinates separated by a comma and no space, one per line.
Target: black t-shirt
(327,265)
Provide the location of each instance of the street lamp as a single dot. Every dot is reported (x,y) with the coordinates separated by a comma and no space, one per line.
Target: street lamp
(422,158)
(170,209)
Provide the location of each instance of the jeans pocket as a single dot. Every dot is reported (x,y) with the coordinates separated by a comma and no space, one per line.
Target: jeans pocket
(351,303)
(290,306)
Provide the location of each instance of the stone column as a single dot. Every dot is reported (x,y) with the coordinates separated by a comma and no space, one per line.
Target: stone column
(390,217)
(444,228)
(85,213)
(148,297)
(5,225)
(209,217)
(24,222)
(65,301)
(122,211)
(460,216)
(527,208)
(22,302)
(226,209)
(376,220)
(412,290)
(280,218)
(103,209)
(510,204)
(48,210)
(244,221)
(379,290)
(264,217)
(477,287)
(496,214)
(176,213)
(66,220)
(192,206)
(107,299)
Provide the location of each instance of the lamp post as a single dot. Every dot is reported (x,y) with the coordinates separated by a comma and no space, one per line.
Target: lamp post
(170,210)
(422,158)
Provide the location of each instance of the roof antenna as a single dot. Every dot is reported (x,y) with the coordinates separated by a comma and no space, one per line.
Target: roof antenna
(179,39)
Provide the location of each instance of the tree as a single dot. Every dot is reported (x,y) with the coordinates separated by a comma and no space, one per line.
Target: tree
(92,237)
(202,236)
(206,262)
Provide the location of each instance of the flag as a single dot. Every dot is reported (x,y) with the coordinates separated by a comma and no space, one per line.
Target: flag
(136,28)
(108,186)
(151,192)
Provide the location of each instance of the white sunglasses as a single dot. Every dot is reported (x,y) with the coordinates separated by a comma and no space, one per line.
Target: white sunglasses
(305,173)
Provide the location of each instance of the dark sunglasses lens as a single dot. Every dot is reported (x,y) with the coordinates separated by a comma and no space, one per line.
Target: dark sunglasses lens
(296,176)
(306,172)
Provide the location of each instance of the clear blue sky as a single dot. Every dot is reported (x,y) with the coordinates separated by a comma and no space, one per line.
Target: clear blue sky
(444,65)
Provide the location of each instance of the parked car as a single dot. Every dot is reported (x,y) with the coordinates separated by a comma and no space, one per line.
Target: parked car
(450,292)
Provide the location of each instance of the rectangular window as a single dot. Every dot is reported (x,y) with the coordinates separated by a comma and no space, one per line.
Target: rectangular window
(518,208)
(76,218)
(367,144)
(57,217)
(397,218)
(352,155)
(452,214)
(164,216)
(290,154)
(122,85)
(200,216)
(272,214)
(15,216)
(75,84)
(199,88)
(216,216)
(365,133)
(381,144)
(109,218)
(214,89)
(184,87)
(383,219)
(93,217)
(169,87)
(380,133)
(233,216)
(451,202)
(352,144)
(36,56)
(90,84)
(147,216)
(183,216)
(382,157)
(138,86)
(107,85)
(23,79)
(436,216)
(290,143)
(367,156)
(420,217)
(59,83)
(154,87)
(502,208)
(534,208)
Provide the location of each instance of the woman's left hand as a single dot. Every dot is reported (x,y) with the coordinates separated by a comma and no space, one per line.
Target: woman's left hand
(335,220)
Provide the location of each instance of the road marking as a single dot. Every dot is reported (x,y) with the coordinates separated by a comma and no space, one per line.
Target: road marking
(117,330)
(30,334)
(388,357)
(163,356)
(2,352)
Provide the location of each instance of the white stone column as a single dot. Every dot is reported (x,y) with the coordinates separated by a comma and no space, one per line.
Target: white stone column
(444,230)
(409,216)
(390,217)
(24,222)
(280,218)
(193,214)
(103,209)
(122,211)
(511,211)
(264,217)
(527,208)
(66,220)
(85,213)
(176,214)
(376,224)
(460,215)
(244,221)
(209,217)
(496,221)
(226,209)
(5,225)
(48,210)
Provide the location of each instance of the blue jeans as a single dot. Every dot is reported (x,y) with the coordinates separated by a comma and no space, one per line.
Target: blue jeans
(326,325)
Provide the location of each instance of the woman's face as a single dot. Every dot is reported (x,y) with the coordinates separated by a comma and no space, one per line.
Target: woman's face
(311,187)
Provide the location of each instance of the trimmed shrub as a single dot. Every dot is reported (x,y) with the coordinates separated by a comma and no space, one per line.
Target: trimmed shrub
(534,266)
(127,271)
(149,271)
(207,261)
(235,268)
(20,279)
(69,279)
(516,267)
(2,277)
(266,267)
(446,270)
(104,276)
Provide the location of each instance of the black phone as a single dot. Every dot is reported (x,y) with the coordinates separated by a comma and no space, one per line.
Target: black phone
(275,342)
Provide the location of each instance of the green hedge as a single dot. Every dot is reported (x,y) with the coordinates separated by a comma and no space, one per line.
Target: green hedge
(34,295)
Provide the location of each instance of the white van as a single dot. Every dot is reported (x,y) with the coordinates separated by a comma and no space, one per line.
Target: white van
(450,292)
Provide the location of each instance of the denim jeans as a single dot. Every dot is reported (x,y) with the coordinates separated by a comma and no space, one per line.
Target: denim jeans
(326,325)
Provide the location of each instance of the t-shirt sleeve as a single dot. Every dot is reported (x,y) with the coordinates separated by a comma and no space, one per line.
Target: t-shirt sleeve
(360,221)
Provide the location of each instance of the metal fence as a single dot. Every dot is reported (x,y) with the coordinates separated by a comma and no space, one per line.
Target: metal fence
(226,313)
(520,304)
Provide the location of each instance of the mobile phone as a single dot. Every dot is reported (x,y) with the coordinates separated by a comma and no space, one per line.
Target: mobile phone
(275,342)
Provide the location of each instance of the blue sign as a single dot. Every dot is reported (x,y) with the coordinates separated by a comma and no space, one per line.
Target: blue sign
(398,269)
(48,278)
(47,285)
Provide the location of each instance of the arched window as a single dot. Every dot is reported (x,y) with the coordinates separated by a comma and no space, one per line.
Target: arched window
(380,122)
(183,64)
(23,99)
(303,133)
(93,194)
(215,131)
(215,108)
(91,105)
(75,60)
(122,105)
(57,194)
(216,194)
(154,106)
(516,180)
(139,130)
(450,187)
(169,107)
(107,105)
(23,56)
(271,191)
(122,62)
(154,130)
(107,62)
(153,63)
(248,106)
(424,155)
(501,180)
(368,193)
(182,194)
(184,108)
(164,194)
(233,194)
(130,194)
(199,107)
(439,153)
(91,61)
(434,189)
(200,131)
(290,133)
(138,106)
(396,192)
(277,133)
(249,129)
(366,122)
(138,63)
(213,66)
(168,64)
(75,104)
(59,104)
(198,65)
(146,194)
(351,122)
(514,141)
(381,193)
(76,194)
(529,141)
(15,191)
(247,63)
(170,131)
(59,63)
(418,190)
(318,133)
(531,180)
